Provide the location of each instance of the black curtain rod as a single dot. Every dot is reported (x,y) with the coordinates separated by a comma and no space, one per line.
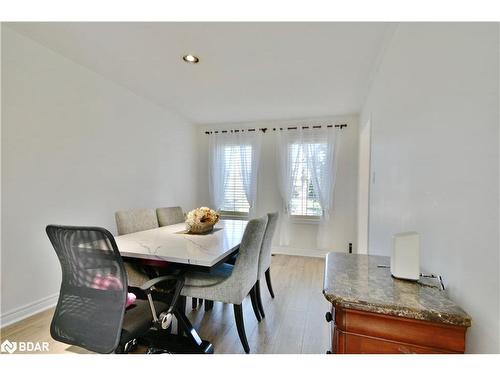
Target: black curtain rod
(263,130)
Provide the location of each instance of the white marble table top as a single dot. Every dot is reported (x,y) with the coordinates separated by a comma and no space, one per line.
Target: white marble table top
(172,244)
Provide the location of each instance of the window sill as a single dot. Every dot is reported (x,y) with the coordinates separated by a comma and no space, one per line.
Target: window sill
(233,216)
(295,219)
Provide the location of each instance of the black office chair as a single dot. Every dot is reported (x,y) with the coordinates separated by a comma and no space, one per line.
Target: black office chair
(91,311)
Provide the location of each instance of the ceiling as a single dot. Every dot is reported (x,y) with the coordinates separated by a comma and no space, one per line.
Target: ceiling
(247,71)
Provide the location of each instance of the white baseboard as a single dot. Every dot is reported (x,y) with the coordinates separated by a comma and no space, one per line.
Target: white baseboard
(23,312)
(285,250)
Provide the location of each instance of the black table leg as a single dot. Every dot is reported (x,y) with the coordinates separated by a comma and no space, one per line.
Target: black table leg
(186,327)
(187,341)
(181,307)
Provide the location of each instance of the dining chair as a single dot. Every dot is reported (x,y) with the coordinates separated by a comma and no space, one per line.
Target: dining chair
(91,311)
(231,284)
(264,262)
(135,220)
(131,221)
(169,216)
(264,269)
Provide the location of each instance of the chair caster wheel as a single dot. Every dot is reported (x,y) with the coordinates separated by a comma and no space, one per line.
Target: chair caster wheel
(165,320)
(153,350)
(129,346)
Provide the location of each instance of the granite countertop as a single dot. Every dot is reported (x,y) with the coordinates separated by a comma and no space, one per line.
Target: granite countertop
(355,281)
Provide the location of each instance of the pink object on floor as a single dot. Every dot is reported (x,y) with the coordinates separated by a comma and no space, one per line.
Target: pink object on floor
(130,299)
(112,283)
(106,282)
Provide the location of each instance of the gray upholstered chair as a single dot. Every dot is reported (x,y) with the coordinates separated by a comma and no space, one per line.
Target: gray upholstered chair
(231,284)
(135,220)
(169,216)
(265,259)
(131,221)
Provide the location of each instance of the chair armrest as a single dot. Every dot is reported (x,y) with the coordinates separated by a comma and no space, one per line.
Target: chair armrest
(165,318)
(146,287)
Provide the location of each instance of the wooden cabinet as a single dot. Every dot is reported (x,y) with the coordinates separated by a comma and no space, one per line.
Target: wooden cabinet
(373,312)
(361,332)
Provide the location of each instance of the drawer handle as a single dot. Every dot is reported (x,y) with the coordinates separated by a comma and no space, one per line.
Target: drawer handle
(328,317)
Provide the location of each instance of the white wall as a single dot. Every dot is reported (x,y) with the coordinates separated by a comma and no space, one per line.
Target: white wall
(303,236)
(76,148)
(434,118)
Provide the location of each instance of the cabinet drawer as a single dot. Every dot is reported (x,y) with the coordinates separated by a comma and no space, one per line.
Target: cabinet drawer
(370,345)
(357,331)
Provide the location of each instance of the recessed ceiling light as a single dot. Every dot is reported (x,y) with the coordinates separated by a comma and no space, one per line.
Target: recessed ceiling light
(190,59)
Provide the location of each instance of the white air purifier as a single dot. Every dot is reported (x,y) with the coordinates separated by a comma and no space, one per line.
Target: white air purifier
(405,259)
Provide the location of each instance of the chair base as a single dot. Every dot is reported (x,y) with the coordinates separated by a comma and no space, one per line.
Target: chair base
(159,342)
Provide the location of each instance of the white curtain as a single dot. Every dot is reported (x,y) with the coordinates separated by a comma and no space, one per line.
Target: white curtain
(217,173)
(321,146)
(318,147)
(287,158)
(249,164)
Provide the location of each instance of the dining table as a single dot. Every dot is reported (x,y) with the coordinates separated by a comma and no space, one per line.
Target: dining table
(173,244)
(174,247)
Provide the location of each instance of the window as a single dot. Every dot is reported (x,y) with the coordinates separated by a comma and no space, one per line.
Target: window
(235,199)
(304,198)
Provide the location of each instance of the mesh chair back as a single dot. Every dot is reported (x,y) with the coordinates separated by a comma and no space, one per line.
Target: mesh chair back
(91,304)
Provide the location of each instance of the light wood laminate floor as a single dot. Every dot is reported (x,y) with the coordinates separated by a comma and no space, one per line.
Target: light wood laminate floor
(294,321)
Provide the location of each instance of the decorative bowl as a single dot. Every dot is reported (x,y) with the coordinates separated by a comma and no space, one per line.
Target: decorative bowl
(201,220)
(200,228)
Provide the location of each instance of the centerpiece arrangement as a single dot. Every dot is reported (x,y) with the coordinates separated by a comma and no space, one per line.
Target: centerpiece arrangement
(201,220)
